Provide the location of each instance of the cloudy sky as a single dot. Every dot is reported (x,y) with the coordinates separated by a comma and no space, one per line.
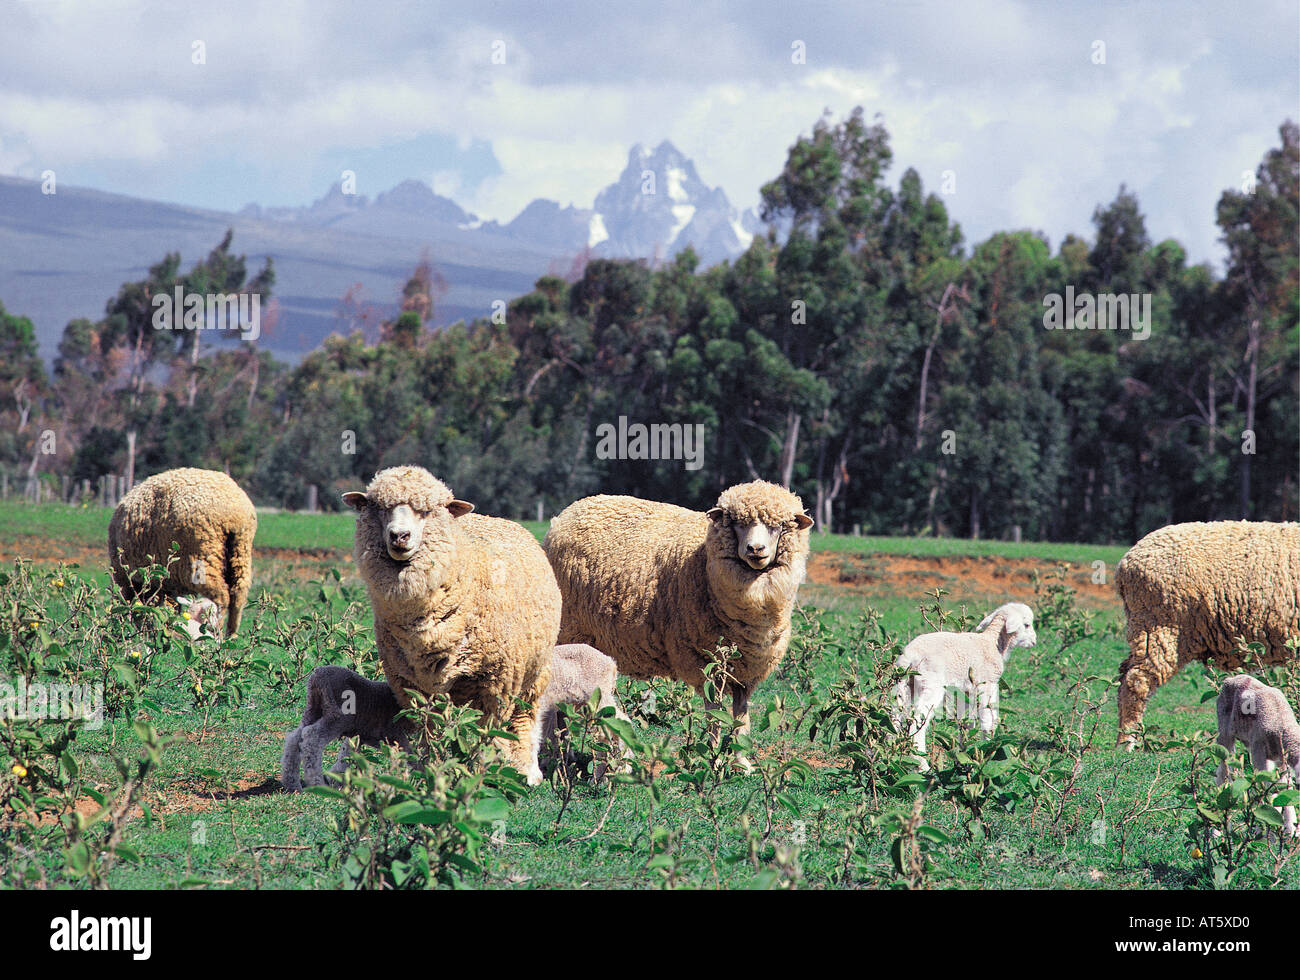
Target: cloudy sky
(495,105)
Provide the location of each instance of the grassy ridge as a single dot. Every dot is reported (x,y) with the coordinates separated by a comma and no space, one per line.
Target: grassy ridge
(88,527)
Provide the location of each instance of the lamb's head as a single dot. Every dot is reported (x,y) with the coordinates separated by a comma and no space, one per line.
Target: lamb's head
(760,524)
(199,616)
(1016,623)
(405,511)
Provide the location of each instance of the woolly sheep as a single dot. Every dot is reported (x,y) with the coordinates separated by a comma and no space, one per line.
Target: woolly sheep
(970,662)
(340,704)
(465,606)
(577,672)
(1260,716)
(1191,590)
(208,516)
(657,586)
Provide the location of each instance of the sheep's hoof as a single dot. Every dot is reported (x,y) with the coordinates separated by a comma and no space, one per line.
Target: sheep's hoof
(535,777)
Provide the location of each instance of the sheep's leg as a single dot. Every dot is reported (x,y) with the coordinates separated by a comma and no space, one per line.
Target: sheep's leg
(1153,658)
(341,763)
(740,712)
(289,776)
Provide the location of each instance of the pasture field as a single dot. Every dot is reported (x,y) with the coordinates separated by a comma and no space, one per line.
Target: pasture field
(177,787)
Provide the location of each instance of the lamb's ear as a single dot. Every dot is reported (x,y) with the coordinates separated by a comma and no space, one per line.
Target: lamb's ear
(355,499)
(714,514)
(459,508)
(802,521)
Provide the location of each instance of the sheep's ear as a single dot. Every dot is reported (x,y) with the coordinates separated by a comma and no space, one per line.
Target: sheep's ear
(459,508)
(355,499)
(802,521)
(714,514)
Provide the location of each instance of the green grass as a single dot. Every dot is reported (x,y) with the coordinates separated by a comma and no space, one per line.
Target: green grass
(226,740)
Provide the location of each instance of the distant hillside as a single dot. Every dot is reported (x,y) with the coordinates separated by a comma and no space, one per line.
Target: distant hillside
(64,255)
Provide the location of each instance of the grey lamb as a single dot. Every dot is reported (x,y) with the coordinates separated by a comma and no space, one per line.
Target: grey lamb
(340,703)
(1260,716)
(577,671)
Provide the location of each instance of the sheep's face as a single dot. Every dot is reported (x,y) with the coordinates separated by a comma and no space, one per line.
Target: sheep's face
(757,542)
(403,526)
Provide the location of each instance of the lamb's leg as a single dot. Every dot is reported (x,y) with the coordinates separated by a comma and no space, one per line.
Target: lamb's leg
(1229,742)
(1261,760)
(926,700)
(1153,657)
(986,695)
(520,753)
(314,739)
(607,700)
(289,777)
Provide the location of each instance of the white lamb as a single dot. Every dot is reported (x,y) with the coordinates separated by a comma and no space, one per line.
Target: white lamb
(971,663)
(1261,717)
(578,670)
(199,616)
(340,703)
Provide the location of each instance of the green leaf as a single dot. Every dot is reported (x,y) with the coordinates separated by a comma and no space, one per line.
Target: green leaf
(933,834)
(490,809)
(78,856)
(1267,815)
(329,791)
(1288,797)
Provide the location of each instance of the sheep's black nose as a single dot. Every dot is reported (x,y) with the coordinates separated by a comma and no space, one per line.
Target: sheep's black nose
(399,537)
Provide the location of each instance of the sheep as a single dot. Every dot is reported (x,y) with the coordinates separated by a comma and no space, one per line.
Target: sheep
(340,703)
(970,662)
(465,606)
(577,672)
(208,516)
(1260,716)
(1191,591)
(199,617)
(657,586)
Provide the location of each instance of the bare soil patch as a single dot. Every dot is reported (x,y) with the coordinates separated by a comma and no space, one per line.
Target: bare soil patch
(964,576)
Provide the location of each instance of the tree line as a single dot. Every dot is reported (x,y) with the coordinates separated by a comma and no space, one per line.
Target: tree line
(858,353)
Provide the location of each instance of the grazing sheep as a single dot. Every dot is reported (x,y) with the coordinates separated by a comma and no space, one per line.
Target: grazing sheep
(212,521)
(340,704)
(199,617)
(970,662)
(1191,591)
(577,672)
(465,606)
(657,586)
(1259,716)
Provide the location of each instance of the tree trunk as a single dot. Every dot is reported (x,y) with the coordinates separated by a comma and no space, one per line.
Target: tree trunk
(929,353)
(791,444)
(1252,359)
(130,459)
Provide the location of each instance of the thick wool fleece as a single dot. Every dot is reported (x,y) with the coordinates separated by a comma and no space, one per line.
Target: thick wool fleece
(208,516)
(656,586)
(472,615)
(1190,590)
